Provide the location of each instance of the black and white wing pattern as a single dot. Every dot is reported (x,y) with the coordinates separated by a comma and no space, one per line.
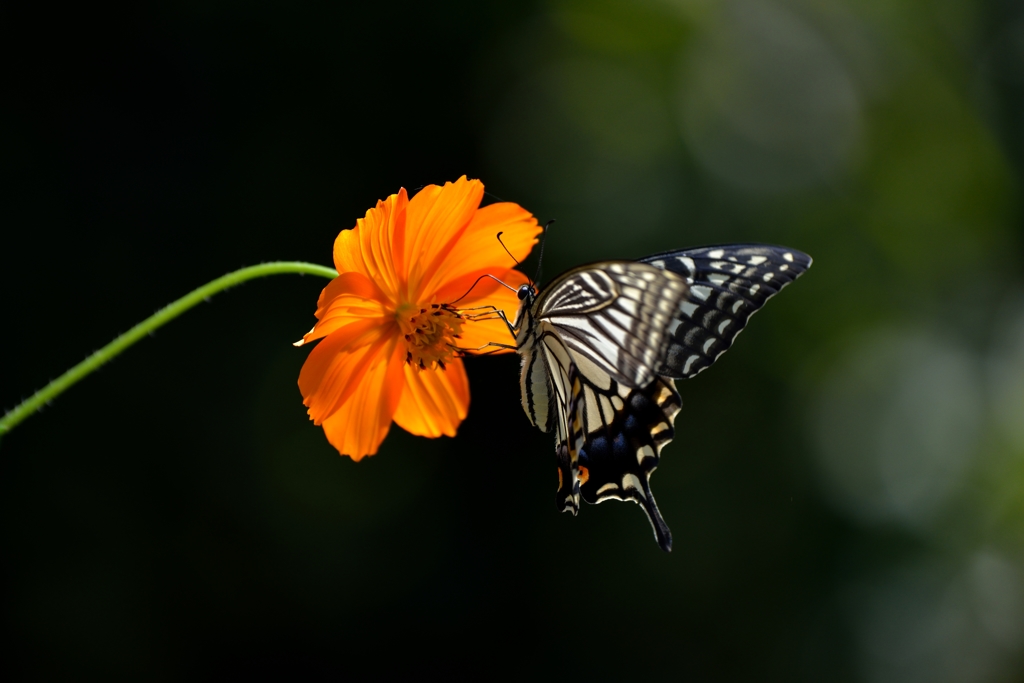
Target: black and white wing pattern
(616,436)
(727,285)
(614,317)
(603,344)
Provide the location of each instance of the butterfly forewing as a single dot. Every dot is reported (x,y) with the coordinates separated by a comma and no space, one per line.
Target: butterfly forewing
(727,285)
(614,315)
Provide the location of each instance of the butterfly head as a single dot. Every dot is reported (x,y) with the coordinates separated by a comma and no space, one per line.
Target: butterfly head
(527,294)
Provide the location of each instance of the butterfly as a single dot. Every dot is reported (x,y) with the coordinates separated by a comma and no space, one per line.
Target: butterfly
(603,344)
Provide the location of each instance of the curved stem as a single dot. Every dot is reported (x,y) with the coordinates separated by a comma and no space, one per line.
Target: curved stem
(161,317)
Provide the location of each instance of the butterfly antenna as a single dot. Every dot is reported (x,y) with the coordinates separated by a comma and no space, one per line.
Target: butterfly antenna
(540,257)
(476,282)
(506,248)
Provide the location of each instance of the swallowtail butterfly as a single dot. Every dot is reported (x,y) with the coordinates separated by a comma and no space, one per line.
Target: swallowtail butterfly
(603,344)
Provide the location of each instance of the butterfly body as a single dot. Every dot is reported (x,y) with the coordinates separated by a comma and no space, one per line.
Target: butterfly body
(601,347)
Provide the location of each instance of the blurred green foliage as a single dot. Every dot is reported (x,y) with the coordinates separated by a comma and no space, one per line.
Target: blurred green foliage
(847,484)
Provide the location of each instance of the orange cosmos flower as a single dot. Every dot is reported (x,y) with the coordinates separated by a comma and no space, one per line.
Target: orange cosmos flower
(390,346)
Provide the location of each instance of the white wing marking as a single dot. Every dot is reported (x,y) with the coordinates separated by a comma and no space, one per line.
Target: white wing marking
(593,374)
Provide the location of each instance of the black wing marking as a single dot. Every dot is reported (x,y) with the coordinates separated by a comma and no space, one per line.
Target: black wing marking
(615,315)
(727,285)
(614,444)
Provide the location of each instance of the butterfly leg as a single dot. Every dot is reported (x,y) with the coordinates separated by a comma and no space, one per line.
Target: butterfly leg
(490,314)
(498,347)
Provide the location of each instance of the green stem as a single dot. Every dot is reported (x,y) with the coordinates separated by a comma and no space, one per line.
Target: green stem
(161,317)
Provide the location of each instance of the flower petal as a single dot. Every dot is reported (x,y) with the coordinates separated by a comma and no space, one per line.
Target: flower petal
(434,402)
(437,217)
(478,249)
(376,245)
(358,427)
(336,366)
(348,298)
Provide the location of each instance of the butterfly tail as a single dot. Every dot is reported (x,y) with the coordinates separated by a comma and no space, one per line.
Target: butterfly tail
(661,531)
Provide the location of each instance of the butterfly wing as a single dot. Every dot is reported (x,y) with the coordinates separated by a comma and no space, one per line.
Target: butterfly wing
(613,318)
(726,285)
(608,440)
(558,364)
(617,435)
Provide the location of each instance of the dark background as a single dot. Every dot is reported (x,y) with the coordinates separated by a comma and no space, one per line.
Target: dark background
(847,486)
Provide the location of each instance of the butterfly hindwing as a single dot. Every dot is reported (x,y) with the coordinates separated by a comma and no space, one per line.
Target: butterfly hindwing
(557,398)
(616,436)
(727,285)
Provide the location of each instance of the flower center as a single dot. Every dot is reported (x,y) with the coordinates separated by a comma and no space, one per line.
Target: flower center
(431,336)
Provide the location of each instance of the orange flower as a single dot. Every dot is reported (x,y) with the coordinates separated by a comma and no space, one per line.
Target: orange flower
(389,336)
